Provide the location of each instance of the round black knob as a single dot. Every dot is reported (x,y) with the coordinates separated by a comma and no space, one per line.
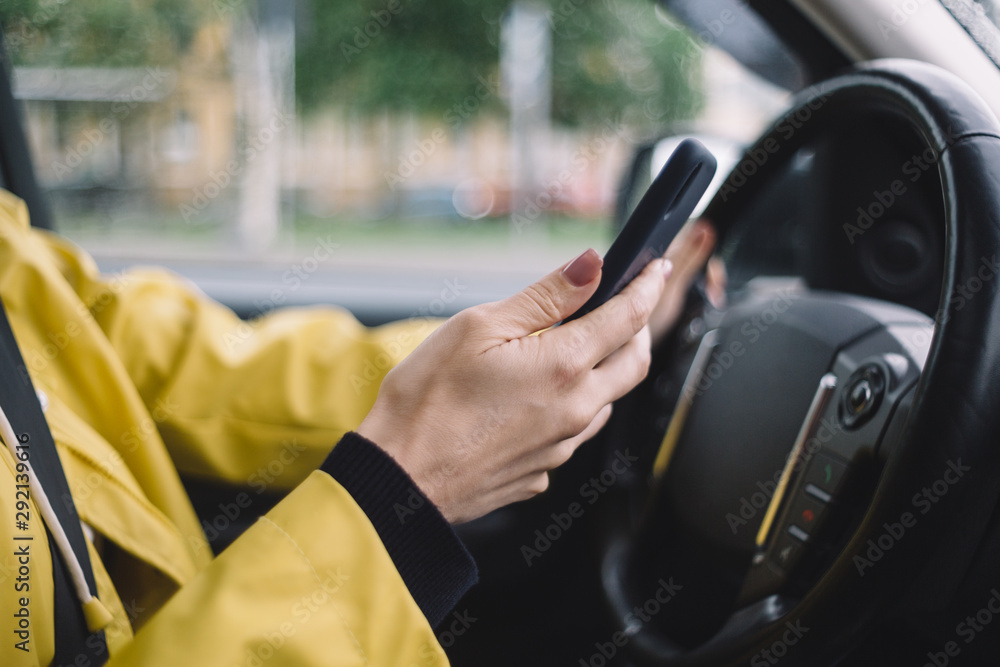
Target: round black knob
(862,395)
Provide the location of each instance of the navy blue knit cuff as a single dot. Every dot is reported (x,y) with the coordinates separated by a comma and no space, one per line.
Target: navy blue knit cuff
(429,555)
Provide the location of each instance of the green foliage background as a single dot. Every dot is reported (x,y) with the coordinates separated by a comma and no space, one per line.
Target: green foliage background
(106,33)
(612,59)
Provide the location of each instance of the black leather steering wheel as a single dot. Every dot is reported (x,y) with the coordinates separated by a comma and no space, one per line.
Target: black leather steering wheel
(940,424)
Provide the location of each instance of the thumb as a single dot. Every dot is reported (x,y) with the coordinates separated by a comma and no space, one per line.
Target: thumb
(551,299)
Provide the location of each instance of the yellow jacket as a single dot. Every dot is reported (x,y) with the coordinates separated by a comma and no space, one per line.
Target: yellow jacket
(145,377)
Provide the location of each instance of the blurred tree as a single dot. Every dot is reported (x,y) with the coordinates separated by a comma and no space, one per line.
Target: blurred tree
(611,59)
(106,33)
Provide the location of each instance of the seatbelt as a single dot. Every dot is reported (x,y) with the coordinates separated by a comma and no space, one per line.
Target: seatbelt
(21,404)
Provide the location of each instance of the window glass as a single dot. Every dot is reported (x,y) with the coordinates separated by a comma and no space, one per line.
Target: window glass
(990,10)
(484,135)
(981,18)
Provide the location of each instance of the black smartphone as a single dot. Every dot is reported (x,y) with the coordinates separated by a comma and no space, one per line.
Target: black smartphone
(656,220)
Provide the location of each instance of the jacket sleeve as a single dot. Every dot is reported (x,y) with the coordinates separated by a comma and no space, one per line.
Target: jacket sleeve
(290,593)
(257,403)
(293,587)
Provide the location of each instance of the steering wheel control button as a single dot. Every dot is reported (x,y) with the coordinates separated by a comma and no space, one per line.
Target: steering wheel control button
(862,396)
(824,474)
(818,493)
(806,512)
(786,552)
(798,533)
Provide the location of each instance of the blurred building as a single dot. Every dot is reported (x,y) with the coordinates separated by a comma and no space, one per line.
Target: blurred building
(215,140)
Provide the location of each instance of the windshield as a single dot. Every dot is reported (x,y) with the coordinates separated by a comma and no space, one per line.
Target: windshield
(981,18)
(442,139)
(992,8)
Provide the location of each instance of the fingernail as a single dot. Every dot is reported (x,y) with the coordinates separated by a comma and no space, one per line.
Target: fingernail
(584,268)
(704,229)
(668,268)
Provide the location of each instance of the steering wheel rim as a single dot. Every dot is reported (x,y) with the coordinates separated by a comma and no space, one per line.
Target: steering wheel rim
(954,413)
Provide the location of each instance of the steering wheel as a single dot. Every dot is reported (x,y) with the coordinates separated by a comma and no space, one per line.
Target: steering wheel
(830,459)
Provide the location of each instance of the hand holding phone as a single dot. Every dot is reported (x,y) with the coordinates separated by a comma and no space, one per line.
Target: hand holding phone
(656,220)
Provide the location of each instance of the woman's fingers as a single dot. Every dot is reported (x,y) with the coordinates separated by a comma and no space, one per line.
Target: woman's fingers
(535,466)
(600,332)
(623,369)
(715,282)
(689,252)
(553,298)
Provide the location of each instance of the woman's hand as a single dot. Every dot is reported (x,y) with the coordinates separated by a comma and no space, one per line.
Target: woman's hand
(689,253)
(483,409)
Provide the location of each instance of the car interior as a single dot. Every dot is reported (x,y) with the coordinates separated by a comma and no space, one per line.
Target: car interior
(809,473)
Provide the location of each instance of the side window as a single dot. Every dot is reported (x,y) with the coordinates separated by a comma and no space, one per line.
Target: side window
(438,137)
